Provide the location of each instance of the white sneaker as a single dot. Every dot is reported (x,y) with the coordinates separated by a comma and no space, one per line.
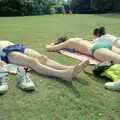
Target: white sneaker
(3,80)
(24,81)
(3,84)
(112,85)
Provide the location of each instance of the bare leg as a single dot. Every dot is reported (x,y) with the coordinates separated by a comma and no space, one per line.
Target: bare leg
(21,59)
(78,68)
(116,50)
(45,60)
(117,43)
(103,54)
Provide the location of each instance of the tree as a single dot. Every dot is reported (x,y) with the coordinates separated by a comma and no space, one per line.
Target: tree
(30,7)
(102,5)
(88,6)
(80,5)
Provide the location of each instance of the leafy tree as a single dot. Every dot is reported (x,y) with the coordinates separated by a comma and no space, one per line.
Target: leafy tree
(85,6)
(30,7)
(102,5)
(80,5)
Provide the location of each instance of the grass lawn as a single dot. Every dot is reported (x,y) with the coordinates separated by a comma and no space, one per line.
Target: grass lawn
(84,99)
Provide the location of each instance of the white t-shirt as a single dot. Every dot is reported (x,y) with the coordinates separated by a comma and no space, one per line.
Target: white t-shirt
(107,39)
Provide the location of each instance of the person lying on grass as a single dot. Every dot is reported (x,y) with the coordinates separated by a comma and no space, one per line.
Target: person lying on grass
(21,55)
(101,51)
(100,36)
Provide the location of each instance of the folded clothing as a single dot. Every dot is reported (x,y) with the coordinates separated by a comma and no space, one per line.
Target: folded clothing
(112,73)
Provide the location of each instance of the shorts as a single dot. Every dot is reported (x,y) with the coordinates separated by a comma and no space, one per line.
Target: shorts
(12,48)
(71,49)
(101,45)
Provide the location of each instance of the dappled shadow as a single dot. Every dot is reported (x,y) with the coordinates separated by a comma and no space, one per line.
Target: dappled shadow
(72,88)
(69,85)
(81,81)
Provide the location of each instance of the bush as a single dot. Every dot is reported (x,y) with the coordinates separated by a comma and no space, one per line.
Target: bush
(59,9)
(90,6)
(28,7)
(102,5)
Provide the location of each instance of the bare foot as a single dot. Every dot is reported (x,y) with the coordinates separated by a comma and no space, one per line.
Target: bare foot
(69,74)
(80,67)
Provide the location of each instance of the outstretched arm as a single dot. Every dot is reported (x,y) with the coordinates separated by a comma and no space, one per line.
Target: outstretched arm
(53,47)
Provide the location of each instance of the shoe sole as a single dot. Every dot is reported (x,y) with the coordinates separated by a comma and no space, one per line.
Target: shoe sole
(112,89)
(3,92)
(28,89)
(25,89)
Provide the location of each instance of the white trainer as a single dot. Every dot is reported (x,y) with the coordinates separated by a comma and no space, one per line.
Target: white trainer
(24,81)
(3,84)
(3,80)
(112,85)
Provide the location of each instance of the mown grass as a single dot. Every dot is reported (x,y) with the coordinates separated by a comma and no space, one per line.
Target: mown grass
(85,98)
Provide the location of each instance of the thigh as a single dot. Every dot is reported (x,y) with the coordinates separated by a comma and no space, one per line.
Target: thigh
(117,44)
(116,50)
(32,53)
(103,54)
(19,58)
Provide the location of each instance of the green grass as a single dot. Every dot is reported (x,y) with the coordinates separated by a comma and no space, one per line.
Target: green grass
(85,99)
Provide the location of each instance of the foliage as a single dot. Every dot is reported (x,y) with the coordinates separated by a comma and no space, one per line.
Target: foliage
(30,7)
(79,6)
(102,5)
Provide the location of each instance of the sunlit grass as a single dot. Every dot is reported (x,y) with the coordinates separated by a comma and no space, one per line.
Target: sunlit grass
(85,99)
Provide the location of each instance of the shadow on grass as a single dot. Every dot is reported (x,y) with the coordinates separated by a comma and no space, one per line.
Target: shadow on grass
(81,81)
(71,86)
(68,84)
(1,94)
(29,91)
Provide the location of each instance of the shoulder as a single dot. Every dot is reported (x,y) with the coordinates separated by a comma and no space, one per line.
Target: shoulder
(109,35)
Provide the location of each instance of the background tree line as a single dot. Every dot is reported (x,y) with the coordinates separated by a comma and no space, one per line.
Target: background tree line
(92,6)
(38,7)
(30,7)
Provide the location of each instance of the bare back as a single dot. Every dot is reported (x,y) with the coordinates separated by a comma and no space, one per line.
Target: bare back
(80,45)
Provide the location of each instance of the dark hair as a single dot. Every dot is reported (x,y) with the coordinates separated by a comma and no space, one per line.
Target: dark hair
(100,31)
(61,39)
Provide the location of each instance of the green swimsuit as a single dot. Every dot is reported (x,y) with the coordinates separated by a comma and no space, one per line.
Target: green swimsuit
(101,45)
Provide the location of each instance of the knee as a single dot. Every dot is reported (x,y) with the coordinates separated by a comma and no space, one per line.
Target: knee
(43,59)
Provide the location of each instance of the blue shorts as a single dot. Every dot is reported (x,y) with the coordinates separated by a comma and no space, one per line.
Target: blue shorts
(12,48)
(71,49)
(101,45)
